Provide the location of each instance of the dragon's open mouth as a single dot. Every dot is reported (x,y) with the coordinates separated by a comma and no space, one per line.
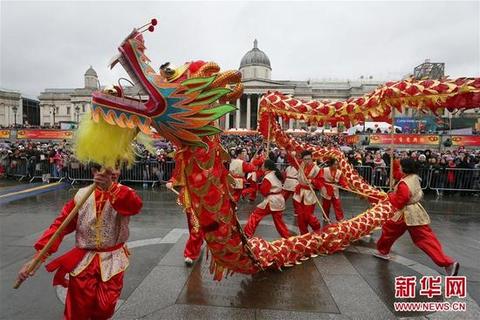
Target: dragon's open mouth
(115,105)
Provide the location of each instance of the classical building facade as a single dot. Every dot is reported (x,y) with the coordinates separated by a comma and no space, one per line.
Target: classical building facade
(60,104)
(16,109)
(10,108)
(70,104)
(256,72)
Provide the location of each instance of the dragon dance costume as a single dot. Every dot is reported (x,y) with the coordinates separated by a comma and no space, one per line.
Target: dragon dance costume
(304,198)
(273,204)
(411,217)
(194,243)
(238,168)
(290,181)
(253,178)
(97,262)
(183,107)
(330,193)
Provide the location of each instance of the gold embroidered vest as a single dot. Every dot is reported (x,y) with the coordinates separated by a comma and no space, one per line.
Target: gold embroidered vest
(108,230)
(413,213)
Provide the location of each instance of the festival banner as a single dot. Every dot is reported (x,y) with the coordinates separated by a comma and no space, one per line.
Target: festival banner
(4,134)
(44,134)
(240,132)
(405,139)
(465,141)
(352,139)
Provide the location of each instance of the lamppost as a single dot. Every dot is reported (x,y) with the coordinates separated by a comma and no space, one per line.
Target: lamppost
(77,112)
(14,109)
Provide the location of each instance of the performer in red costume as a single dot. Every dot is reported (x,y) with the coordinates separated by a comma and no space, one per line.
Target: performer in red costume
(238,168)
(290,181)
(412,216)
(331,176)
(274,203)
(97,263)
(304,198)
(254,176)
(194,243)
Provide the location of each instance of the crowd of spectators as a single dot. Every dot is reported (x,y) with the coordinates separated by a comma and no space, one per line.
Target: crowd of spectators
(58,155)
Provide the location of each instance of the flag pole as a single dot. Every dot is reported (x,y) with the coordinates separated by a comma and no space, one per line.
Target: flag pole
(392,135)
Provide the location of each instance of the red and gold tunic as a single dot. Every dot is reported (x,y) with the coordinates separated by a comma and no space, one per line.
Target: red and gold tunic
(330,177)
(406,199)
(271,189)
(238,169)
(256,175)
(101,227)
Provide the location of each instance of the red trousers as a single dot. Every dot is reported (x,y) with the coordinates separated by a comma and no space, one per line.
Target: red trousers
(195,240)
(251,191)
(287,194)
(89,298)
(337,207)
(257,216)
(422,236)
(305,217)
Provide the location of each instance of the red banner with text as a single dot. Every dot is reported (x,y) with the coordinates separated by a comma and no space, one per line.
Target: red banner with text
(352,139)
(4,134)
(465,141)
(45,134)
(405,139)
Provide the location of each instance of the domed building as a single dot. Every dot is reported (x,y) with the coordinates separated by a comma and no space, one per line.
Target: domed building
(67,104)
(256,70)
(255,64)
(91,78)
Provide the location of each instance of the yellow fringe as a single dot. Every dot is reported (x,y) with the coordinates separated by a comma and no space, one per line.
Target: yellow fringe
(104,143)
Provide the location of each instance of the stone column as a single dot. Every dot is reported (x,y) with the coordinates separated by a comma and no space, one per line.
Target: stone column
(227,121)
(290,124)
(259,97)
(249,112)
(237,115)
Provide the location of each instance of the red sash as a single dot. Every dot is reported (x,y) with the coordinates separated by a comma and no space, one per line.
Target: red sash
(67,262)
(273,193)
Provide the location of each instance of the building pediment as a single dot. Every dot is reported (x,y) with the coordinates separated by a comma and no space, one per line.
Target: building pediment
(263,83)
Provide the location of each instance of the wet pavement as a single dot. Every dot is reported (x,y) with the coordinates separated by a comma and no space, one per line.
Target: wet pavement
(348,285)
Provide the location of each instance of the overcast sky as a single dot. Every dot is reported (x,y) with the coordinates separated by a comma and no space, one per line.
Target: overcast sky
(51,44)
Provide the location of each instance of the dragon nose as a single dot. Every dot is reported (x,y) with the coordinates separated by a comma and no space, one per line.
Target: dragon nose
(114,60)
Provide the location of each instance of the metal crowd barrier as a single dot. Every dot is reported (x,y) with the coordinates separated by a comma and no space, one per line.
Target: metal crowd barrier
(454,179)
(17,168)
(380,176)
(40,170)
(155,172)
(77,171)
(147,172)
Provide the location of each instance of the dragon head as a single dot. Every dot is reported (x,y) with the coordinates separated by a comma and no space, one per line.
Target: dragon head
(182,103)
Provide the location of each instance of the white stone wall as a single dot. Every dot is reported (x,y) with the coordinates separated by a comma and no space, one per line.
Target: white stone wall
(91,82)
(7,101)
(256,72)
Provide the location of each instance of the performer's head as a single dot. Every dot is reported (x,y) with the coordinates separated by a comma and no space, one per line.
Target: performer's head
(113,173)
(307,156)
(408,166)
(270,166)
(241,154)
(333,163)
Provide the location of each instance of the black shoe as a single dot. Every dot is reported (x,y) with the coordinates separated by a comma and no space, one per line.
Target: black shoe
(189,262)
(452,270)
